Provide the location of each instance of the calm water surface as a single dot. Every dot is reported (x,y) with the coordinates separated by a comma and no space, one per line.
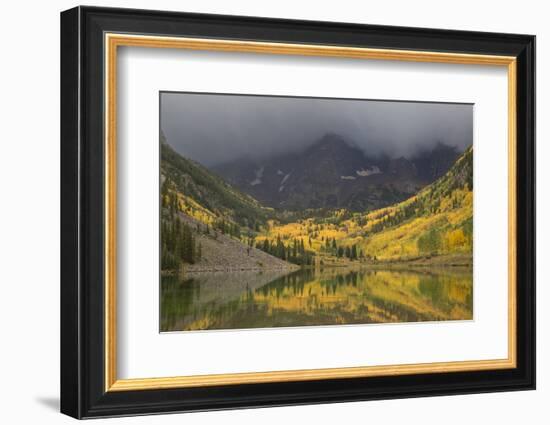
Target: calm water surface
(314,297)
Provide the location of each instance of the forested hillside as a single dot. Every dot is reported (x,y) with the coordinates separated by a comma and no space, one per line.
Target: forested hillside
(436,221)
(205,223)
(207,196)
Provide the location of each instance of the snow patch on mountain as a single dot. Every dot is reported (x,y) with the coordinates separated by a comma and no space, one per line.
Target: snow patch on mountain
(259,175)
(347,177)
(368,171)
(283,181)
(285,178)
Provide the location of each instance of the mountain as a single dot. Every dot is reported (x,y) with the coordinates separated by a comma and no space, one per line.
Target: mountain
(332,173)
(206,196)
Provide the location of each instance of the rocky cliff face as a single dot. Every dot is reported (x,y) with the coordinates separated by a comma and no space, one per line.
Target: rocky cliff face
(332,173)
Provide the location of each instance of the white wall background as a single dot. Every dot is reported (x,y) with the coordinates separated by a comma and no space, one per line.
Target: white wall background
(29,214)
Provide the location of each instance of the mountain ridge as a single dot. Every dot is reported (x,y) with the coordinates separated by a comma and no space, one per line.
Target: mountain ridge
(333,173)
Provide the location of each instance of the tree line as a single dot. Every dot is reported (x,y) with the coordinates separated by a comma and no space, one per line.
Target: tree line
(179,244)
(294,253)
(350,252)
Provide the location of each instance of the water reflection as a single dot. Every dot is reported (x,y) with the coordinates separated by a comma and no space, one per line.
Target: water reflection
(314,297)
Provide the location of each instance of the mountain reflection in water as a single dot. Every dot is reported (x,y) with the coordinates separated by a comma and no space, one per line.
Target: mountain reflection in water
(314,297)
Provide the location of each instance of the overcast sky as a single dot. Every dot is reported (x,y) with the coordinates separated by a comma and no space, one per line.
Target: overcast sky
(212,129)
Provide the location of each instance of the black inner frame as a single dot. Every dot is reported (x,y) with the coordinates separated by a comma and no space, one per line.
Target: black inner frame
(82,212)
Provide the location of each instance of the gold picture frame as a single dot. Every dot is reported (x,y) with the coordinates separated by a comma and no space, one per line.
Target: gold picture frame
(113,41)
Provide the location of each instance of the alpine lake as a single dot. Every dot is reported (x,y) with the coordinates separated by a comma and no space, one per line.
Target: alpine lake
(314,297)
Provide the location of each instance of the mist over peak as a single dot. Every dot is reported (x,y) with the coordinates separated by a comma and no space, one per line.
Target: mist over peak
(214,129)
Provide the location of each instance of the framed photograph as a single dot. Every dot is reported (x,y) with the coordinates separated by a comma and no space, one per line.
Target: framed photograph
(261,212)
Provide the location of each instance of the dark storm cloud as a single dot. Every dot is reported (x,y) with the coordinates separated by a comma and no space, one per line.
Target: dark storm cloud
(216,128)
